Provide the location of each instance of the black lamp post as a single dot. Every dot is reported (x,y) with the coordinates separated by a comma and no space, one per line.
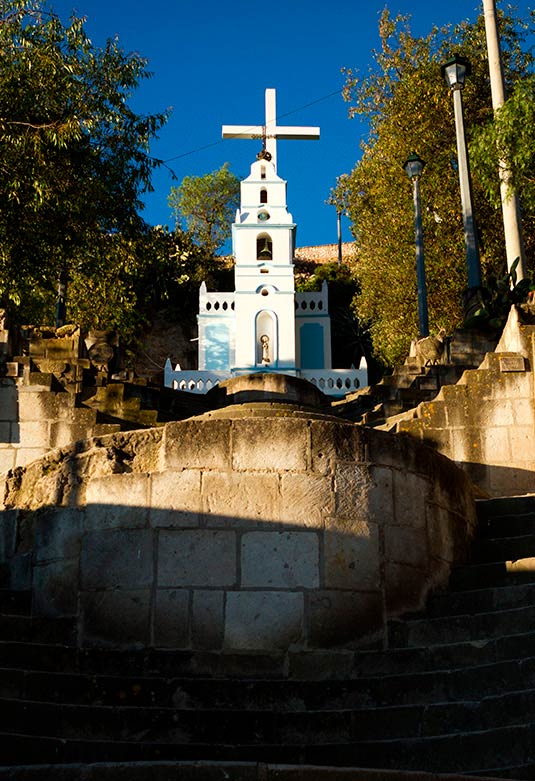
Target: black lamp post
(455,72)
(414,166)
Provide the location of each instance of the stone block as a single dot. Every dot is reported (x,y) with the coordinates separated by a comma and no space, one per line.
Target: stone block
(58,534)
(197,444)
(347,618)
(38,406)
(410,494)
(55,588)
(7,459)
(406,546)
(278,444)
(381,495)
(332,443)
(25,455)
(117,559)
(117,501)
(522,440)
(465,445)
(288,560)
(208,619)
(352,485)
(172,618)
(116,617)
(512,363)
(263,620)
(352,557)
(202,558)
(523,412)
(63,433)
(20,572)
(306,499)
(175,498)
(406,588)
(508,481)
(33,434)
(229,497)
(495,447)
(9,408)
(440,533)
(8,534)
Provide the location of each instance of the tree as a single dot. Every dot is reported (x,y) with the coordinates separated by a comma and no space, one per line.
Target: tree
(510,137)
(75,156)
(409,108)
(205,205)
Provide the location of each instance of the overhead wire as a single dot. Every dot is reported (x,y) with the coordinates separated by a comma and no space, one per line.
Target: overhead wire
(221,140)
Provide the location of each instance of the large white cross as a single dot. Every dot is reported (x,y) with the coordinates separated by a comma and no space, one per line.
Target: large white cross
(271,131)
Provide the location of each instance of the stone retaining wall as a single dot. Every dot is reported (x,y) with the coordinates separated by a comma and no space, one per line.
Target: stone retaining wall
(258,528)
(486,423)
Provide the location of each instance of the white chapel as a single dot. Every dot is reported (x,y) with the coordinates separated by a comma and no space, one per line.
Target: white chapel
(264,325)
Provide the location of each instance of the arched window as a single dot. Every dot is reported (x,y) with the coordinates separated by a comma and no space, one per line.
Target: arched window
(263,172)
(264,247)
(263,195)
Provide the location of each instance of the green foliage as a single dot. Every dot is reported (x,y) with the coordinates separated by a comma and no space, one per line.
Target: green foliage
(510,138)
(205,205)
(75,157)
(409,108)
(349,339)
(135,277)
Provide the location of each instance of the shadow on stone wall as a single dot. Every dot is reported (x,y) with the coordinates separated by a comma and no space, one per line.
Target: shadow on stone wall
(138,576)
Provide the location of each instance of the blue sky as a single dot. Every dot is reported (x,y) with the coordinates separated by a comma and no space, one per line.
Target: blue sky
(211,62)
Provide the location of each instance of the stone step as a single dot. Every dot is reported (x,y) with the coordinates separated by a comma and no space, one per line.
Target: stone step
(506,548)
(507,525)
(505,506)
(135,722)
(491,574)
(475,751)
(24,628)
(484,600)
(405,689)
(215,771)
(15,602)
(461,628)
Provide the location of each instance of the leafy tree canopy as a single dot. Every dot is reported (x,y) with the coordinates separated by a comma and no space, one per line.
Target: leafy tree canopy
(409,108)
(205,205)
(75,156)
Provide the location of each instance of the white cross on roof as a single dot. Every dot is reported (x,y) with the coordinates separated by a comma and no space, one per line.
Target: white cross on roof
(270,132)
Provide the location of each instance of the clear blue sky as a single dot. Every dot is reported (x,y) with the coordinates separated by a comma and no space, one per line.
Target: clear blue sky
(211,62)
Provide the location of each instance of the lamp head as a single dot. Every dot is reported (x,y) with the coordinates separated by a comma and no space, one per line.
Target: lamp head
(455,71)
(414,166)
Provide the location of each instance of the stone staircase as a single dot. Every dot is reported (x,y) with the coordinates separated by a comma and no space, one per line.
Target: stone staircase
(453,693)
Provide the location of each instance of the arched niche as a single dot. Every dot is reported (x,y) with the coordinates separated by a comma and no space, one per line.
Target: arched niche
(263,195)
(264,247)
(266,338)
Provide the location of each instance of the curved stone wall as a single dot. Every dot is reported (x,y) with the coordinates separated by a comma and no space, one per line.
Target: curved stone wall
(255,528)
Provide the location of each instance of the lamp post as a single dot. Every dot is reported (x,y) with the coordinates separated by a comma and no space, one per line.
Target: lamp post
(455,72)
(512,225)
(414,166)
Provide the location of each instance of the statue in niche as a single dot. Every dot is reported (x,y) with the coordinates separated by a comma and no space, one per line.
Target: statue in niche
(264,344)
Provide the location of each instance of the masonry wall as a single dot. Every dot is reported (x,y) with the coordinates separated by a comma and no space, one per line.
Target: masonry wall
(247,531)
(486,423)
(35,419)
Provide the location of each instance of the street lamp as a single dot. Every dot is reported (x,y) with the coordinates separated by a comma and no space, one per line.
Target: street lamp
(414,166)
(455,72)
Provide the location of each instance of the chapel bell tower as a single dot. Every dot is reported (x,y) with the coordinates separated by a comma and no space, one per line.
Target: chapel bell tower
(263,239)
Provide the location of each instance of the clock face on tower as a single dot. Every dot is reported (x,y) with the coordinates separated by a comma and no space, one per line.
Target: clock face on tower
(263,216)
